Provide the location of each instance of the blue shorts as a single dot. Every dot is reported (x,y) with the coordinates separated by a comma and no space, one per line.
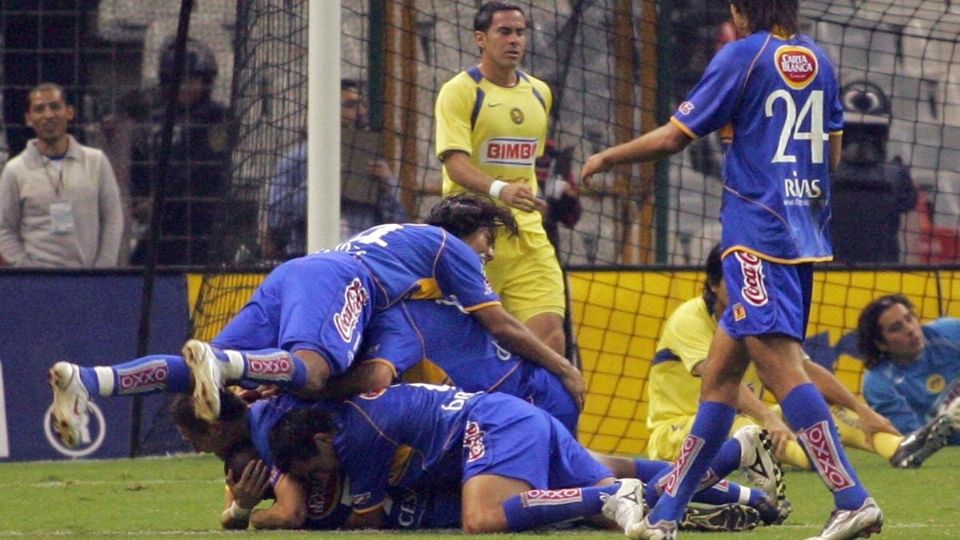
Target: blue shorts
(320,302)
(766,298)
(527,444)
(544,389)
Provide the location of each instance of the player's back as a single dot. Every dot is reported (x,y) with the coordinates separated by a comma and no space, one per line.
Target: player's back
(456,346)
(781,99)
(420,261)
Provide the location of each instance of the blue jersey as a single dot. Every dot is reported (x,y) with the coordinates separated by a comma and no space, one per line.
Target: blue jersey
(489,433)
(436,341)
(908,395)
(781,99)
(424,506)
(320,302)
(421,261)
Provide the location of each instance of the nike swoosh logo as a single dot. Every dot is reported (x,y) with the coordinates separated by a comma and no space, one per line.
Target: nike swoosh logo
(494,104)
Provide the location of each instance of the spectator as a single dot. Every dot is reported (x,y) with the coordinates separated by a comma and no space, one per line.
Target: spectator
(59,202)
(865,179)
(374,203)
(913,370)
(197,178)
(117,133)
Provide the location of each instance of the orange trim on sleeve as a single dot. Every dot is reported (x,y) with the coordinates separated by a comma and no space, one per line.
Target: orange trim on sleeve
(683,128)
(471,309)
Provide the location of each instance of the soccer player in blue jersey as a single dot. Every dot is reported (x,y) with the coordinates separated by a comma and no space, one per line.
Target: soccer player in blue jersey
(520,467)
(316,502)
(775,91)
(305,322)
(439,342)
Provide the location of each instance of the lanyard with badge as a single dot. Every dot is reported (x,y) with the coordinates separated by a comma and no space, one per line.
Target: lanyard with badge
(61,212)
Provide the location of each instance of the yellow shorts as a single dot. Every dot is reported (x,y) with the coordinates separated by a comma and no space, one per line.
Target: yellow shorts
(667,438)
(526,274)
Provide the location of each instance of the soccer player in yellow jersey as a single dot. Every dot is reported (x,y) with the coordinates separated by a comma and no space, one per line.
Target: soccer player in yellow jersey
(491,127)
(675,389)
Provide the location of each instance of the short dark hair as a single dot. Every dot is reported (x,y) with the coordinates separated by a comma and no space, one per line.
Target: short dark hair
(47,86)
(766,14)
(291,438)
(184,415)
(484,17)
(869,332)
(714,268)
(465,213)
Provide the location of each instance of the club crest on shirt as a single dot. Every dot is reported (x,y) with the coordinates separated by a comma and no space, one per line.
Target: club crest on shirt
(797,65)
(516,115)
(936,383)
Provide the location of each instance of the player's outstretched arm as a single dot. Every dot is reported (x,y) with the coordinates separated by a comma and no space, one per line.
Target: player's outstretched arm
(837,394)
(664,141)
(518,339)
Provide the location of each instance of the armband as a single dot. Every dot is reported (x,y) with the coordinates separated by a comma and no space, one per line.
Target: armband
(496,187)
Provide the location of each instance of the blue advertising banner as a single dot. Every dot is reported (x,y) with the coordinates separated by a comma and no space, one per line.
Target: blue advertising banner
(88,319)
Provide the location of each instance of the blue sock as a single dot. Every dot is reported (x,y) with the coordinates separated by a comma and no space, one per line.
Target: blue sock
(727,460)
(272,366)
(648,469)
(148,374)
(538,507)
(807,414)
(709,431)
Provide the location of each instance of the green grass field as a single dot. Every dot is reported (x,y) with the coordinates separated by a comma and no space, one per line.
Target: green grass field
(180,497)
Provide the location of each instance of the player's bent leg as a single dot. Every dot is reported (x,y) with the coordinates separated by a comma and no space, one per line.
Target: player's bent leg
(70,402)
(779,361)
(483,497)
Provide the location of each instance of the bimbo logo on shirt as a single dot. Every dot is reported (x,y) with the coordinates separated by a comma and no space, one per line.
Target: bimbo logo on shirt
(509,151)
(796,65)
(754,290)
